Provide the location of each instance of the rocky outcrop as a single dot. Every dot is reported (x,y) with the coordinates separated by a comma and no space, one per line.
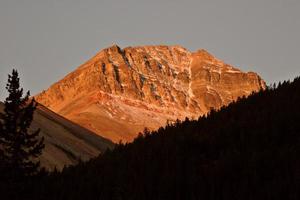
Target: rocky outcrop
(120,91)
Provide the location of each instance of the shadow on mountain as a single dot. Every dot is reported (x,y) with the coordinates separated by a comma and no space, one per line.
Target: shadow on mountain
(247,150)
(65,142)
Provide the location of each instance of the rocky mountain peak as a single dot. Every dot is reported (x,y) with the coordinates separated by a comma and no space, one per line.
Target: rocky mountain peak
(205,55)
(119,91)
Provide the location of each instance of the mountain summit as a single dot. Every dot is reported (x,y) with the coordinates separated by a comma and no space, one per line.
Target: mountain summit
(118,92)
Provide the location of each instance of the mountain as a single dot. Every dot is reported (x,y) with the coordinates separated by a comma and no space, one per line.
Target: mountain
(249,150)
(65,142)
(119,92)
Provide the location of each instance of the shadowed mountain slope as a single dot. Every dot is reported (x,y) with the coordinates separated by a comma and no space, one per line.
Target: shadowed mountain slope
(249,150)
(65,142)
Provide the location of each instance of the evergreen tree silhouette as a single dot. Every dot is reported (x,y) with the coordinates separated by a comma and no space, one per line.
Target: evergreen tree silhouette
(19,149)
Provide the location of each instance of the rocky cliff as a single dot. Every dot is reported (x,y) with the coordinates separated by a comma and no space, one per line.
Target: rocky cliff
(120,91)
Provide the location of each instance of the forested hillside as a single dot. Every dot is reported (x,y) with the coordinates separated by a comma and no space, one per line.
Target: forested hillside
(247,150)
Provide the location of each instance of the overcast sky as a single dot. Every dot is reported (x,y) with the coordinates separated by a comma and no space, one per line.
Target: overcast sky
(46,39)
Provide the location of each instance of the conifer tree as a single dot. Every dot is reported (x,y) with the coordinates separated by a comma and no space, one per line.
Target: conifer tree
(19,149)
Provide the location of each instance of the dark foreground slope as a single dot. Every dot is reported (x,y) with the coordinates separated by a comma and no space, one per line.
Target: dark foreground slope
(248,150)
(65,142)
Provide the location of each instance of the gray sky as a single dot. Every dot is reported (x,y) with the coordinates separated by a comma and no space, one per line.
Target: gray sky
(46,39)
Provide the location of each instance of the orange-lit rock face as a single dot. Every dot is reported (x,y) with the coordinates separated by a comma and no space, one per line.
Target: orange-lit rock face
(120,91)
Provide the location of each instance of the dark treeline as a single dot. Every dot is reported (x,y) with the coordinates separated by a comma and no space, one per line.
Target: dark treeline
(247,150)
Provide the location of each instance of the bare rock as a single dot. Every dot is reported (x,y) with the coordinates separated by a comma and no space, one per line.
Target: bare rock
(120,91)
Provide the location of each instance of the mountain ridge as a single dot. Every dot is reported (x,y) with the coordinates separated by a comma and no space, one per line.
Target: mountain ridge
(119,92)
